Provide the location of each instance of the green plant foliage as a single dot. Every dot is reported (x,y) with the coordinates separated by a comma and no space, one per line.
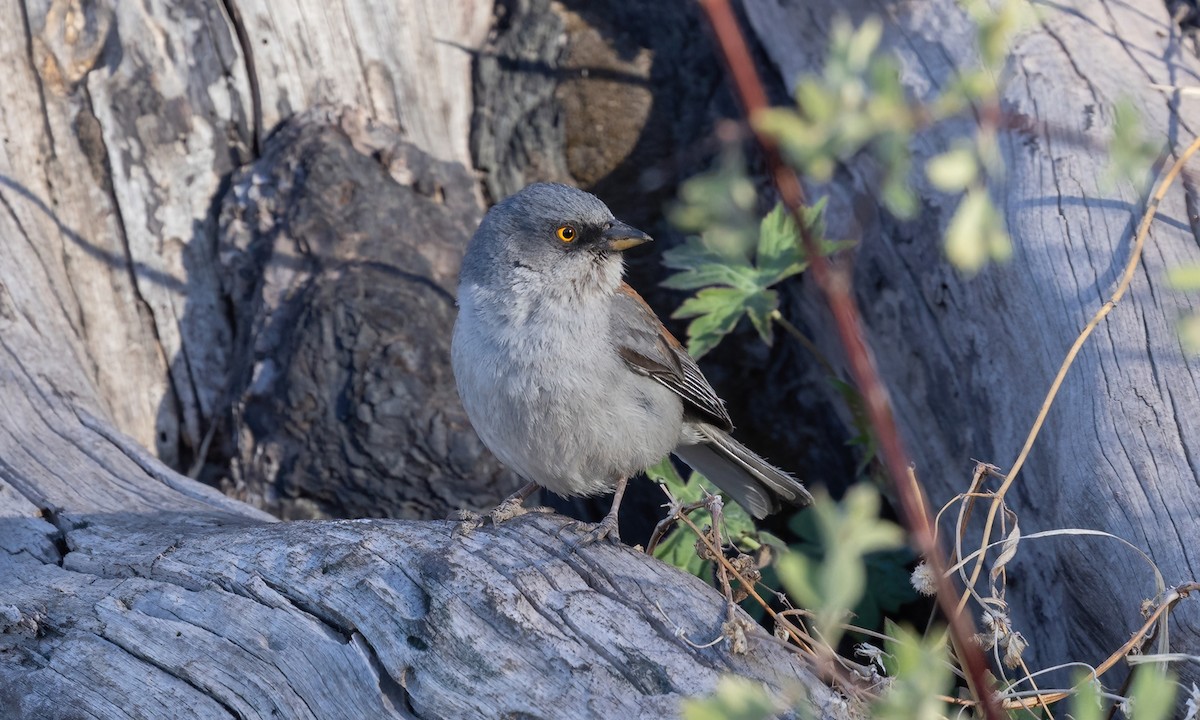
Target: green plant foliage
(996,25)
(735,699)
(856,103)
(721,204)
(1189,333)
(833,584)
(732,270)
(679,546)
(1152,694)
(920,672)
(887,575)
(976,233)
(954,170)
(1087,705)
(1184,277)
(863,438)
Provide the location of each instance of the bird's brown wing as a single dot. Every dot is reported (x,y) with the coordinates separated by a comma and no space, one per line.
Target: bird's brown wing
(649,349)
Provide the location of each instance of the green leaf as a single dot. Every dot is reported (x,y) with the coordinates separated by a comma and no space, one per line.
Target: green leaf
(954,170)
(863,42)
(736,522)
(759,307)
(695,253)
(920,675)
(1130,153)
(709,301)
(888,586)
(1086,705)
(1152,694)
(678,548)
(798,574)
(717,311)
(1184,277)
(784,124)
(827,572)
(1189,333)
(779,252)
(663,472)
(705,275)
(819,104)
(771,539)
(735,699)
(966,236)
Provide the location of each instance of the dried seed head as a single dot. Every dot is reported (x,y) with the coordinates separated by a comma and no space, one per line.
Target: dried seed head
(923,581)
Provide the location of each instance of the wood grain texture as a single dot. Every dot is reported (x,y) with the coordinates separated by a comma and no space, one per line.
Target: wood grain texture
(408,63)
(142,594)
(968,361)
(130,591)
(121,123)
(340,251)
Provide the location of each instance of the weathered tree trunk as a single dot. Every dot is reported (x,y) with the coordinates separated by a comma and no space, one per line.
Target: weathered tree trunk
(153,295)
(150,291)
(968,361)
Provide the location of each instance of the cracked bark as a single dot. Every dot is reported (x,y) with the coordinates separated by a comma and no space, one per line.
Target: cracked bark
(152,275)
(1115,452)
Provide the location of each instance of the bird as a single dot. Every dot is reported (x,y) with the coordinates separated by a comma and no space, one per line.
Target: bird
(569,377)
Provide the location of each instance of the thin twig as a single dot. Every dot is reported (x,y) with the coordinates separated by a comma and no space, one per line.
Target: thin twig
(674,509)
(836,286)
(799,637)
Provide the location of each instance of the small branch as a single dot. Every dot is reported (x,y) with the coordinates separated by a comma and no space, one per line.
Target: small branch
(835,284)
(674,510)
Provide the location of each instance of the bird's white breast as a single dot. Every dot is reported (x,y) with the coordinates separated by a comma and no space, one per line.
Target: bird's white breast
(547,392)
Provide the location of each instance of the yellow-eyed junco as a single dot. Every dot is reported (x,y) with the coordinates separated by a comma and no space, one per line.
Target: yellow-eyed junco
(566,373)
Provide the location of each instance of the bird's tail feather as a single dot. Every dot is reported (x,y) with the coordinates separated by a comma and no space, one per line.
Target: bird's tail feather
(754,483)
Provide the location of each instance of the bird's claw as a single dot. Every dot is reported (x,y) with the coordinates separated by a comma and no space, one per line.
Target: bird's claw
(507,510)
(606,529)
(468,521)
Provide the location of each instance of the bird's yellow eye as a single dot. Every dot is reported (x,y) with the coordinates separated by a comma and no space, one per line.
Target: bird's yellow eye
(566,233)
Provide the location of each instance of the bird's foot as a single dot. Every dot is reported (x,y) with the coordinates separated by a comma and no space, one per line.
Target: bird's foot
(468,521)
(606,529)
(507,510)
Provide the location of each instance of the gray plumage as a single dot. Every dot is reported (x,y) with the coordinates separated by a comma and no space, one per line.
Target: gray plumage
(566,373)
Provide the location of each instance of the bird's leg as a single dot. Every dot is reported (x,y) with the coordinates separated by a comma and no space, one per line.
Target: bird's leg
(511,507)
(607,528)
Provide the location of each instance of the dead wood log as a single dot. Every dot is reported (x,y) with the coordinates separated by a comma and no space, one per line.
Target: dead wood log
(130,591)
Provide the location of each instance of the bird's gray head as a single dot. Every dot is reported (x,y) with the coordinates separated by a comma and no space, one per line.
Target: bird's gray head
(549,235)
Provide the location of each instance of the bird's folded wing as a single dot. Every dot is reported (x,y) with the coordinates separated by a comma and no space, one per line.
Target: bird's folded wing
(649,349)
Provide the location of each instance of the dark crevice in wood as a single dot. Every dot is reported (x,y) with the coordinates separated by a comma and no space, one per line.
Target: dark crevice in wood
(392,690)
(37,75)
(234,16)
(144,309)
(52,516)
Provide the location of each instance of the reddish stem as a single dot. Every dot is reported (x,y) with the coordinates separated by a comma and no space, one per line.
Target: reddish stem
(835,283)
